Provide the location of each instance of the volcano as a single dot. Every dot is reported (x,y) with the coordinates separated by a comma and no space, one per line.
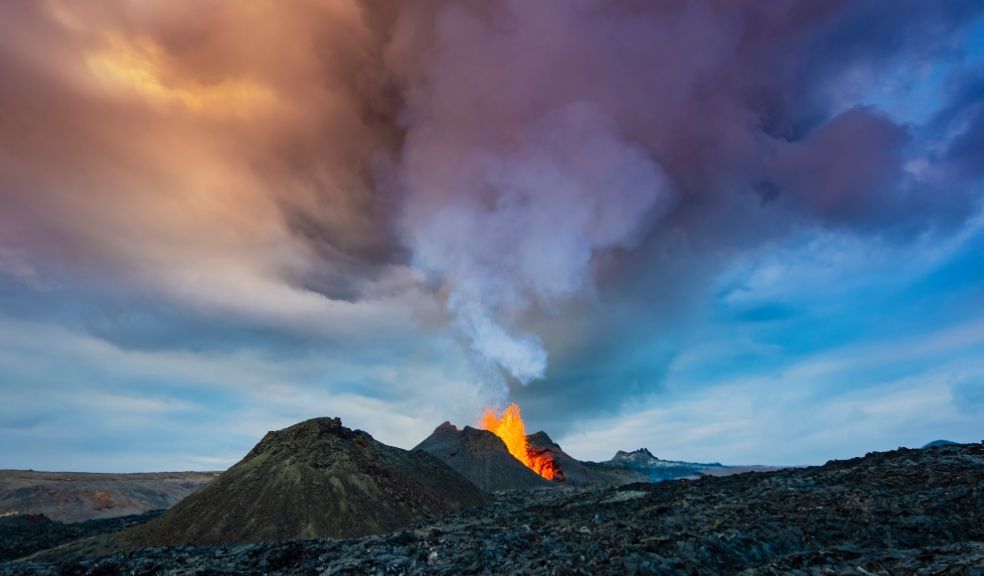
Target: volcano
(316,479)
(487,459)
(482,457)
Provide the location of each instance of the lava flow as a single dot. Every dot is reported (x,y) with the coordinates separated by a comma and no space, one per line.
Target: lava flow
(511,429)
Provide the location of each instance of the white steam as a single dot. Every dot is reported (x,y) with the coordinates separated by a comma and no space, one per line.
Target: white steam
(516,224)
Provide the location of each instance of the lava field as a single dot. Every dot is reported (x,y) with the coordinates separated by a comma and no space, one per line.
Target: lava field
(900,512)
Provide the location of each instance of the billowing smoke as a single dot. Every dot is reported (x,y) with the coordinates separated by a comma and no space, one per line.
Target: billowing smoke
(514,225)
(541,135)
(541,175)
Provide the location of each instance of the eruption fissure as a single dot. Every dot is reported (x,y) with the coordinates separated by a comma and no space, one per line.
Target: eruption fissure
(511,429)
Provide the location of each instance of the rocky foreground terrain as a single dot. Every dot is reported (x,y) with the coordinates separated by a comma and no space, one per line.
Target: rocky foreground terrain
(900,512)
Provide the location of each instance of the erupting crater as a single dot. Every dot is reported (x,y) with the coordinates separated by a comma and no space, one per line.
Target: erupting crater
(510,428)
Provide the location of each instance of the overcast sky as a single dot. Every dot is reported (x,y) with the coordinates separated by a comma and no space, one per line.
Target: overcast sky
(725,230)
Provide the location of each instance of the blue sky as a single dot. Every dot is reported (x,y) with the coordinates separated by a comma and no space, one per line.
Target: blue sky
(741,233)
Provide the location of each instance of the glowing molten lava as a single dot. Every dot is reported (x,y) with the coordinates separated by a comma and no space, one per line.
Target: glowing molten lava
(511,429)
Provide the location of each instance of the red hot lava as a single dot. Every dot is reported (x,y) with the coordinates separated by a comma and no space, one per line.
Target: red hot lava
(510,428)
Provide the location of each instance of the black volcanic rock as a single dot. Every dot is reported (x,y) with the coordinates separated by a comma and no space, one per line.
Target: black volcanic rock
(480,456)
(315,479)
(24,534)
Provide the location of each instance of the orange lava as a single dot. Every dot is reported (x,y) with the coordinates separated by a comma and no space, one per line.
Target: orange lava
(510,428)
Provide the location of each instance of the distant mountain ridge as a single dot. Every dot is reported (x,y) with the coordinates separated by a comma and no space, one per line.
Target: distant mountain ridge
(80,496)
(652,469)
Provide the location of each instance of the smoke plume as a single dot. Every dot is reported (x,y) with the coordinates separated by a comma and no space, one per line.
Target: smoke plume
(537,175)
(542,136)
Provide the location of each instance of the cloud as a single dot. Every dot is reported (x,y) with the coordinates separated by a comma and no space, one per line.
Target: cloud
(846,169)
(806,413)
(175,158)
(742,110)
(578,195)
(84,403)
(510,229)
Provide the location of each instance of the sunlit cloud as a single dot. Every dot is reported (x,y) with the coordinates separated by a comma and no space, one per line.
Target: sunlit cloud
(138,68)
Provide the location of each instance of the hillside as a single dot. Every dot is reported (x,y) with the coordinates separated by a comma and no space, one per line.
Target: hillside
(315,479)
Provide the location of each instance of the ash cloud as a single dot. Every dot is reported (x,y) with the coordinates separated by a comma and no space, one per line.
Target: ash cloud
(544,141)
(556,181)
(513,225)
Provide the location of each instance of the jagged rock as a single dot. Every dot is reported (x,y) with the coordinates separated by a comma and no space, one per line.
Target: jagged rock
(480,456)
(315,479)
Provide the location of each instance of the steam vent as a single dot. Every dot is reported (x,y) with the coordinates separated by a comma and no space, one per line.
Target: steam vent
(316,479)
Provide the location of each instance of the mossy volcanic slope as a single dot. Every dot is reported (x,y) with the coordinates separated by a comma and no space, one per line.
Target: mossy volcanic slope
(316,479)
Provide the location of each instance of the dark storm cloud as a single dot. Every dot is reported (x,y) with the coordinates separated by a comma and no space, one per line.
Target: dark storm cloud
(755,117)
(563,178)
(963,122)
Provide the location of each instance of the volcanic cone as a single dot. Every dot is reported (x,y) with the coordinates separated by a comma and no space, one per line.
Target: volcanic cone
(315,479)
(482,457)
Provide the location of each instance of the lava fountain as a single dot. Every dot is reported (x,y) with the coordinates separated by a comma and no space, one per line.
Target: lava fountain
(510,428)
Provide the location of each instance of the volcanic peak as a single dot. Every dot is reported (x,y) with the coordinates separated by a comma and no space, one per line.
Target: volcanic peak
(315,479)
(310,437)
(642,454)
(480,456)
